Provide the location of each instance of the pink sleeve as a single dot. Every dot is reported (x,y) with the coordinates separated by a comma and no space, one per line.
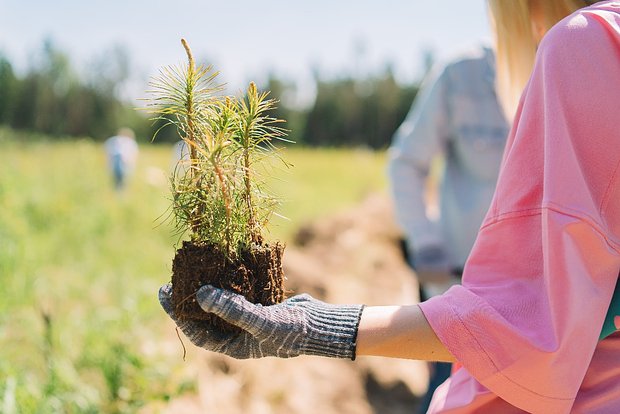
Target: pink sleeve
(526,321)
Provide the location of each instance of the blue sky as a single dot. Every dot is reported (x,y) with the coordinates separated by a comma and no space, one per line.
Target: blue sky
(247,39)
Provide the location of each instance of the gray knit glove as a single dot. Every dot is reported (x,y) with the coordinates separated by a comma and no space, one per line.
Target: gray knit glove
(300,325)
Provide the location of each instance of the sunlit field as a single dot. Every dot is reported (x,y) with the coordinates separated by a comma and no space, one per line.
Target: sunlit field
(80,266)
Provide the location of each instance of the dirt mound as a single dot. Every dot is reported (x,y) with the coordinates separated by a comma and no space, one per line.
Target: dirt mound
(352,257)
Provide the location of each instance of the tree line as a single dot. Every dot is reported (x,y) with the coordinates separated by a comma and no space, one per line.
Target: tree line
(51,98)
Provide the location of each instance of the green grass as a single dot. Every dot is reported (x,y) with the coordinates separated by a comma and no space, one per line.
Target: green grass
(322,181)
(81,265)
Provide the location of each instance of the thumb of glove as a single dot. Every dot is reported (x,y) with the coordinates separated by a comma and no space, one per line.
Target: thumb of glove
(232,308)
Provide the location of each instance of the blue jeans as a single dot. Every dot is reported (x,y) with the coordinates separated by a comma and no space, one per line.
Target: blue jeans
(440,371)
(119,171)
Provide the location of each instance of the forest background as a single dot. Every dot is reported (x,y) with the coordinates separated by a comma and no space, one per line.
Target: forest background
(53,99)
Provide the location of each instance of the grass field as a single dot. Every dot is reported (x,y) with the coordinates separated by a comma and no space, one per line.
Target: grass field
(80,267)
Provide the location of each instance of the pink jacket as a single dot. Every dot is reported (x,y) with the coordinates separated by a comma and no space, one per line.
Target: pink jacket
(525,323)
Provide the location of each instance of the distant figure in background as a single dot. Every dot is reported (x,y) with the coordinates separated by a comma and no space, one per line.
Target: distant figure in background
(122,152)
(456,116)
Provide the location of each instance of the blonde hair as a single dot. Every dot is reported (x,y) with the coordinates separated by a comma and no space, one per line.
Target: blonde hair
(516,43)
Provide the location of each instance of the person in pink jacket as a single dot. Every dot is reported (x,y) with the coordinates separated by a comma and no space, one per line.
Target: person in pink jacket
(533,325)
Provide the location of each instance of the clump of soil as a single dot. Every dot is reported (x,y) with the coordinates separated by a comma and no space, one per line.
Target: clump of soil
(256,273)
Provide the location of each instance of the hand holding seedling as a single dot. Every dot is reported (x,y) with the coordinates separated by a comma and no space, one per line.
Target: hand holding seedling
(300,325)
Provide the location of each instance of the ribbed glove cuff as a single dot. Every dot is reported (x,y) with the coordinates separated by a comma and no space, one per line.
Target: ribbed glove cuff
(332,330)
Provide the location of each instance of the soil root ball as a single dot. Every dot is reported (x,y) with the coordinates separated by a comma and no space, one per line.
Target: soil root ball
(255,272)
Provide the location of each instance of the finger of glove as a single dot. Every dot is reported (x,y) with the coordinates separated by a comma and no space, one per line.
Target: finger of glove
(233,308)
(165,299)
(199,332)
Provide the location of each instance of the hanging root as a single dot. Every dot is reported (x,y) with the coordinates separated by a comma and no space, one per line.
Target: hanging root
(182,344)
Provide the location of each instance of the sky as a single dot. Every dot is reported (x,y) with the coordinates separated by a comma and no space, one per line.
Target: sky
(246,40)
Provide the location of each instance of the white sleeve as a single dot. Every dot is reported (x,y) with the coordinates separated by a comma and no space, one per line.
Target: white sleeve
(421,136)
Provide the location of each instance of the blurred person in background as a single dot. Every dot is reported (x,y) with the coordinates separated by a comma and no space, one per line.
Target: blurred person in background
(458,122)
(534,323)
(122,153)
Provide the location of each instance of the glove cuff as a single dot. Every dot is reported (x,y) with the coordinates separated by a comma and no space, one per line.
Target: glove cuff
(332,330)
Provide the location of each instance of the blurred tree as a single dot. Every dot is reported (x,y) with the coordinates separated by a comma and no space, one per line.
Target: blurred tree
(109,71)
(52,99)
(54,78)
(8,88)
(385,108)
(284,91)
(349,112)
(22,113)
(332,117)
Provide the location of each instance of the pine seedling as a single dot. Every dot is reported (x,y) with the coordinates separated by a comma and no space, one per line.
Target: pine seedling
(255,136)
(219,194)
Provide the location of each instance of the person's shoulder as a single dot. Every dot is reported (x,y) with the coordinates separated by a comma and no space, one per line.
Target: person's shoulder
(587,30)
(463,60)
(474,55)
(474,60)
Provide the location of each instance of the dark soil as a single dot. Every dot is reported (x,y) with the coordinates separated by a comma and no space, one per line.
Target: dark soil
(256,274)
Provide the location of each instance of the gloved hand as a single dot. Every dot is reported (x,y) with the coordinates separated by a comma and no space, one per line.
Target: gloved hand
(300,325)
(429,257)
(432,269)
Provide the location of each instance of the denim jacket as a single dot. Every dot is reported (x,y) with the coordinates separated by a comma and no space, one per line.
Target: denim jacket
(456,116)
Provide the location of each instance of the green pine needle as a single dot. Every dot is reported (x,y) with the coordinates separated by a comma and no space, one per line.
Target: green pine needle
(219,195)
